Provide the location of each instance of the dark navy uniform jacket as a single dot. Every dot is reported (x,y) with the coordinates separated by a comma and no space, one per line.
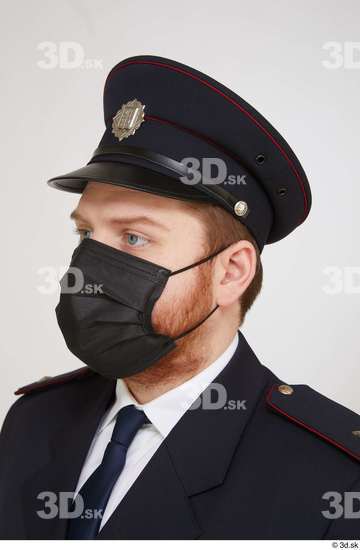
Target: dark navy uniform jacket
(281,466)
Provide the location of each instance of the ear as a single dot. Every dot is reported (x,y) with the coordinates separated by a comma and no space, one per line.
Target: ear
(234,271)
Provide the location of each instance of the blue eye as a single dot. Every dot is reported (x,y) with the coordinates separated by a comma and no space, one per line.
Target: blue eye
(83,233)
(135,240)
(86,234)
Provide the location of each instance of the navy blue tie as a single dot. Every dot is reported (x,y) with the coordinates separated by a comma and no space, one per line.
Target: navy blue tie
(97,489)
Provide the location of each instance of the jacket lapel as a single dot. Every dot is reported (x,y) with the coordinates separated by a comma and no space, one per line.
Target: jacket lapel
(60,464)
(156,506)
(193,458)
(203,443)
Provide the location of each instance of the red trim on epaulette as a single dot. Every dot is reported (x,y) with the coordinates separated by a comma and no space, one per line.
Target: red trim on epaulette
(66,377)
(233,102)
(310,428)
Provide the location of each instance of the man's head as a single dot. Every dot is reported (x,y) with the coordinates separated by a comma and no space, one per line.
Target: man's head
(175,233)
(165,124)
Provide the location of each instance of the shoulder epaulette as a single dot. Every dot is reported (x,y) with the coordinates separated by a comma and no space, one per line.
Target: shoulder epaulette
(49,381)
(313,411)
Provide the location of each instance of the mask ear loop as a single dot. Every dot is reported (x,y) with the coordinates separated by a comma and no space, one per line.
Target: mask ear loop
(199,262)
(185,269)
(196,326)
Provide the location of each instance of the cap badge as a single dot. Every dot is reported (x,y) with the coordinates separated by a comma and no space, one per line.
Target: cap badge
(128,119)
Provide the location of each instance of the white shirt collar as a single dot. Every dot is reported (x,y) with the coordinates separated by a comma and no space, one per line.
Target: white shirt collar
(167,409)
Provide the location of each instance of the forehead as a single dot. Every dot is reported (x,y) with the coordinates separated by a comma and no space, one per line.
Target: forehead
(106,195)
(98,191)
(103,200)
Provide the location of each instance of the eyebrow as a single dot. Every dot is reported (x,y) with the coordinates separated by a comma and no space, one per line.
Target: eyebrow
(75,215)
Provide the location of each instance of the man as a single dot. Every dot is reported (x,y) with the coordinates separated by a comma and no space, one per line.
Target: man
(174,429)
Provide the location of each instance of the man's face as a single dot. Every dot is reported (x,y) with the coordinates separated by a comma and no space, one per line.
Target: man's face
(161,230)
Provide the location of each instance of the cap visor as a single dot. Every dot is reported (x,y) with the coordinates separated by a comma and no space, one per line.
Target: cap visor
(131,176)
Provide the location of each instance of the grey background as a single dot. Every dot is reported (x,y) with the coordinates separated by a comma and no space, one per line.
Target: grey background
(272,53)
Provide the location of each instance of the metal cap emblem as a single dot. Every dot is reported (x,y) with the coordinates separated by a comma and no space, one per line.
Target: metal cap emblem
(128,119)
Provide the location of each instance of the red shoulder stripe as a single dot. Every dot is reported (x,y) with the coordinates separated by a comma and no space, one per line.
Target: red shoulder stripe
(316,430)
(54,380)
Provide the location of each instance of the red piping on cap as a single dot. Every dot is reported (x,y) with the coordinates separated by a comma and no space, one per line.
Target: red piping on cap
(235,103)
(196,134)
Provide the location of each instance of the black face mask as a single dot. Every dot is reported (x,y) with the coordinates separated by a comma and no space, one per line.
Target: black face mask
(105,317)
